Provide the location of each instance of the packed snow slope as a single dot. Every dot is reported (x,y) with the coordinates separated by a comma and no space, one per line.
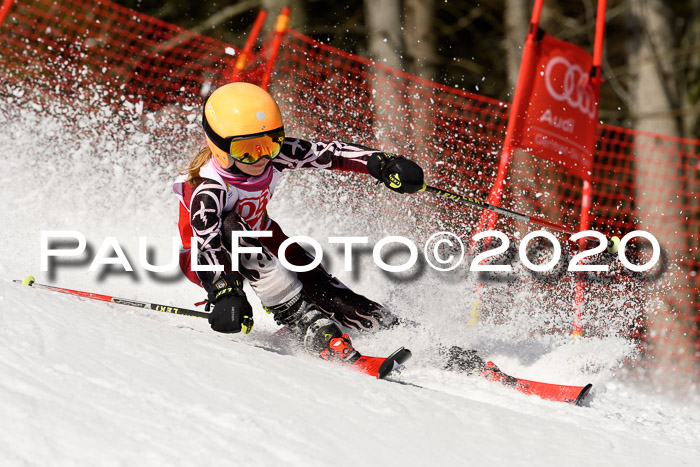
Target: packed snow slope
(96,384)
(91,383)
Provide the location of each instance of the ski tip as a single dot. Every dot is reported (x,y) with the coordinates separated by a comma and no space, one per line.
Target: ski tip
(401,355)
(28,280)
(583,394)
(393,361)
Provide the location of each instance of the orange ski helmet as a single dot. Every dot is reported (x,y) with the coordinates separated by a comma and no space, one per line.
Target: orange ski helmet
(242,122)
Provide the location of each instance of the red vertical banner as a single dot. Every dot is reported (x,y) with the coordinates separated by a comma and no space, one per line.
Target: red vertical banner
(559,117)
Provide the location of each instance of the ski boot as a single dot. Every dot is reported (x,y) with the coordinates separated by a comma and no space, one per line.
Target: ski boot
(340,348)
(468,361)
(316,333)
(463,360)
(320,336)
(493,373)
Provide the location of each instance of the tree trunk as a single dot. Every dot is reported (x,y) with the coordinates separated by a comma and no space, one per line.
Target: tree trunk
(690,44)
(385,46)
(420,38)
(384,28)
(420,61)
(654,92)
(654,96)
(516,16)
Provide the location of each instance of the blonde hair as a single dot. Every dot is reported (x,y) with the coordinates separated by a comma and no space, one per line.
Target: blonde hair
(196,163)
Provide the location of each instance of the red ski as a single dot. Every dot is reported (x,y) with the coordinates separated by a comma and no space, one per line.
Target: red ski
(553,392)
(380,367)
(468,361)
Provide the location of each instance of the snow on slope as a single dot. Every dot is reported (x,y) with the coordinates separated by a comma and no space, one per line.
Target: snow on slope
(92,383)
(86,382)
(89,382)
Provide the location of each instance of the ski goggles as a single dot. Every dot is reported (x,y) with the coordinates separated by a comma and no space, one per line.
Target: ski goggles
(247,149)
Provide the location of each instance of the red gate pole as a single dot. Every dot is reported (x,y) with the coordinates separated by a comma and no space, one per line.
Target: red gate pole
(599,35)
(280,29)
(514,127)
(5,9)
(586,196)
(578,297)
(488,218)
(247,52)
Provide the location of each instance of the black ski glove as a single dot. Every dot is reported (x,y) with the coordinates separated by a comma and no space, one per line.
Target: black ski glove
(232,312)
(396,172)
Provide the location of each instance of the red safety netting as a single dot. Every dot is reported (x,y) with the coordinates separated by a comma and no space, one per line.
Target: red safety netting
(77,48)
(640,180)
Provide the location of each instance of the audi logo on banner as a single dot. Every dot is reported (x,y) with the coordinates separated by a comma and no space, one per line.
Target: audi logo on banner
(570,89)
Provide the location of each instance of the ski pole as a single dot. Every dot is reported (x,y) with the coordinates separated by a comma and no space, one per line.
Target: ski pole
(612,242)
(30,281)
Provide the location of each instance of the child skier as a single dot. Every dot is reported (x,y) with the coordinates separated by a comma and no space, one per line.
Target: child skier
(227,187)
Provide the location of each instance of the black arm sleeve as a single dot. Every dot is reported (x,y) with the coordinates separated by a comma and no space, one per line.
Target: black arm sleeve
(206,209)
(334,155)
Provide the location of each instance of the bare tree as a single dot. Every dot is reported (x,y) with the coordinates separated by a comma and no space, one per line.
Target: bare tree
(420,38)
(385,46)
(690,61)
(653,89)
(419,34)
(516,17)
(384,26)
(654,96)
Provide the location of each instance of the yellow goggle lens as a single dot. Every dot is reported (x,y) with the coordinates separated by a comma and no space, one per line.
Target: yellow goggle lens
(250,149)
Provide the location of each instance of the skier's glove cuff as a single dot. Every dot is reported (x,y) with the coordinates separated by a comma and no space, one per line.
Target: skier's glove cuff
(228,284)
(396,172)
(231,312)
